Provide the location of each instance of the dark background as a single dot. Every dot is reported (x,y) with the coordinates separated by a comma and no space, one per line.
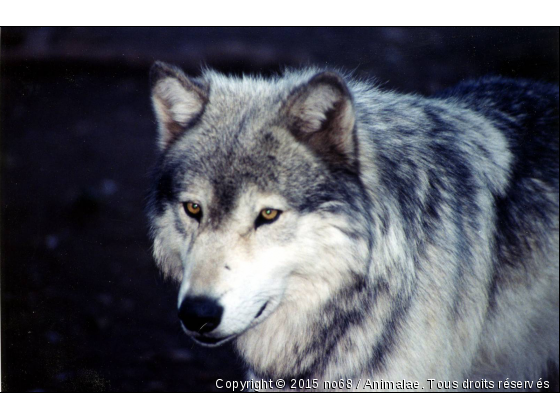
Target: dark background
(83,307)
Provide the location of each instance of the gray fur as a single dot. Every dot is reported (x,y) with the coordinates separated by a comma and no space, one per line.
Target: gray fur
(418,239)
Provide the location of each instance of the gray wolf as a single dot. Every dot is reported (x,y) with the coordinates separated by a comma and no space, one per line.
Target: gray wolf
(333,230)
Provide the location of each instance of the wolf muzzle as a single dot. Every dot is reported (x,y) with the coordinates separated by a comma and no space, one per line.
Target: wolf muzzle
(200,314)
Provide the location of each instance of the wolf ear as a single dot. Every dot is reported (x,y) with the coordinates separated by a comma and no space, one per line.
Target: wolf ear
(177,100)
(321,115)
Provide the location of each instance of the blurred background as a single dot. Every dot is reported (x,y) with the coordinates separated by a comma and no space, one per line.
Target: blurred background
(83,306)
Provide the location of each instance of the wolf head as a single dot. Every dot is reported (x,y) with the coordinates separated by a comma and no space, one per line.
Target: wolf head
(257,207)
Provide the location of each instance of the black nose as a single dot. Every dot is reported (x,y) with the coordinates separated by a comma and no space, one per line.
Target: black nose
(200,314)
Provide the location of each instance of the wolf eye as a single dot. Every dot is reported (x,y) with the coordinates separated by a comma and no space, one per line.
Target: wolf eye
(267,216)
(193,210)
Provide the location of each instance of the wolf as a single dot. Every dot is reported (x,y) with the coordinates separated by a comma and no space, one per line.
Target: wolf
(331,229)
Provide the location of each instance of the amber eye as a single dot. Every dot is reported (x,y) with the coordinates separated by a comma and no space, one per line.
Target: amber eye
(267,216)
(192,209)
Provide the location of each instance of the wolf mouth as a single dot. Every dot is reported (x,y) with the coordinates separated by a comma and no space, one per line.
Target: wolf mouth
(211,340)
(217,341)
(261,310)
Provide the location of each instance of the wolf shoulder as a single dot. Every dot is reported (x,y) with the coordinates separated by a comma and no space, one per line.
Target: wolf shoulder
(493,133)
(489,145)
(526,112)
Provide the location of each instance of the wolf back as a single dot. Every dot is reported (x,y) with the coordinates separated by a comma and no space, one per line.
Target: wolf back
(413,237)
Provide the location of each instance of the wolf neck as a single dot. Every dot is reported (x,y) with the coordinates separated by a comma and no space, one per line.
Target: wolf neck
(313,345)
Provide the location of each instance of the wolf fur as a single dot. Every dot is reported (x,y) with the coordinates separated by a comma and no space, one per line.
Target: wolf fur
(417,239)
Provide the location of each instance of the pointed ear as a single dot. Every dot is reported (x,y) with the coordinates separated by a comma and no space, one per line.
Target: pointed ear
(321,115)
(177,100)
